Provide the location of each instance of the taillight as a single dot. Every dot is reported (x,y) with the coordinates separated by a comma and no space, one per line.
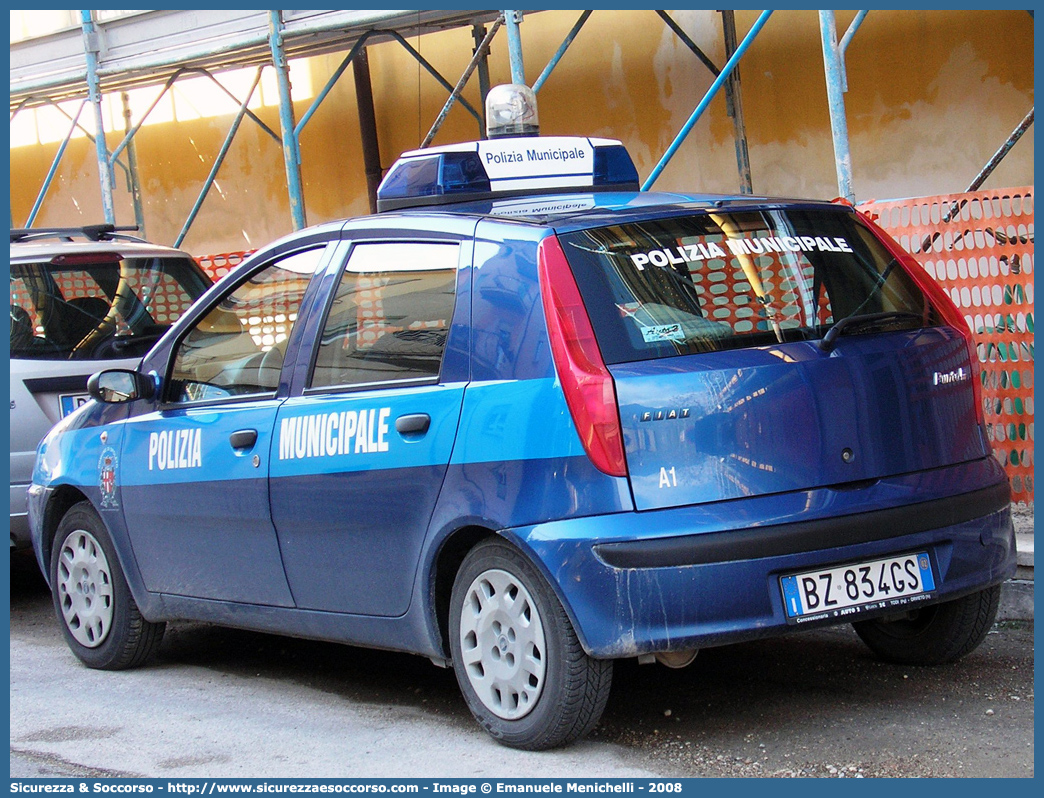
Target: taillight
(941,301)
(586,382)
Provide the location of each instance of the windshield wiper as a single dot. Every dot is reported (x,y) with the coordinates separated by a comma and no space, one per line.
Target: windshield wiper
(827,342)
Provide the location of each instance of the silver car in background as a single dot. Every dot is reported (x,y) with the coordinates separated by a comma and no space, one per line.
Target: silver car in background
(82,300)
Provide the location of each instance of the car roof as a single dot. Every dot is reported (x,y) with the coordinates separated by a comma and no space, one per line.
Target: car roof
(576,211)
(561,212)
(46,248)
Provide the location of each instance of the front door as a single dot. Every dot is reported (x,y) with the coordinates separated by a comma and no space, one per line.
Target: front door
(195,470)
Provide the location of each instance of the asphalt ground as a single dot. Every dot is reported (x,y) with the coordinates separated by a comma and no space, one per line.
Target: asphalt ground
(226,703)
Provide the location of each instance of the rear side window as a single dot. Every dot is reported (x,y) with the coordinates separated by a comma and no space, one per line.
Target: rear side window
(729,280)
(96,311)
(390,317)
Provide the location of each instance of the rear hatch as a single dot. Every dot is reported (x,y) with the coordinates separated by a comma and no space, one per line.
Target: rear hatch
(764,351)
(78,312)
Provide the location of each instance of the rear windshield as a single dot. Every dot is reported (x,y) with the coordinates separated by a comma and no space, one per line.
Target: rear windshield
(719,281)
(98,311)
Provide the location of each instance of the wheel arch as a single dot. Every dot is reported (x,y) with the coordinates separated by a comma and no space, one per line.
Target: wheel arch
(448,560)
(60,502)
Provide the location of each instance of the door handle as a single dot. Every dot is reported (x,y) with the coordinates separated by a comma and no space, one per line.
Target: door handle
(415,424)
(243,439)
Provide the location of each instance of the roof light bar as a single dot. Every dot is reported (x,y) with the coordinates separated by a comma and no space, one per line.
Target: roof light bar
(504,167)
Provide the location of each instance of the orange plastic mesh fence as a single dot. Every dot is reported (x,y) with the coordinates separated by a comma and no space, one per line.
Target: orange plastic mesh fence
(979,247)
(217,266)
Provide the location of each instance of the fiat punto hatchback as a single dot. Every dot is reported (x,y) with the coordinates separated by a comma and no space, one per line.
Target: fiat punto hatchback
(528,420)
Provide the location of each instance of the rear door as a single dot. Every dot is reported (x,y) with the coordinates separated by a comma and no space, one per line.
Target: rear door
(361,449)
(712,326)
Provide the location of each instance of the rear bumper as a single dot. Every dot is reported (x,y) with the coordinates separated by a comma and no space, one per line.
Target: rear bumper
(803,536)
(685,578)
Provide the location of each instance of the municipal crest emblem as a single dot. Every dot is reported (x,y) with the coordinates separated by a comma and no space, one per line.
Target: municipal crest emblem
(107,465)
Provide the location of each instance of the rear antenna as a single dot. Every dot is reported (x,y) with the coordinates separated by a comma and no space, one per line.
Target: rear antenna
(511,110)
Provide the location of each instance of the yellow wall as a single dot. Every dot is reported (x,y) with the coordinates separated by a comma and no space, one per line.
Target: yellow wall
(932,94)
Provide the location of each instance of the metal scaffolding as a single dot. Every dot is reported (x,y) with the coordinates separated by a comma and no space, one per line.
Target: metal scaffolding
(159,47)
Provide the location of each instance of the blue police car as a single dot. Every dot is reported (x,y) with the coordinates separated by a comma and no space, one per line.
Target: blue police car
(527,420)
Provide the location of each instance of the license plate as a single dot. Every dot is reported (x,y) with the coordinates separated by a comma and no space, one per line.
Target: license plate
(855,588)
(67,402)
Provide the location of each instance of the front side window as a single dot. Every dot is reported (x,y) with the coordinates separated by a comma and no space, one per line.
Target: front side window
(703,283)
(390,317)
(237,348)
(103,309)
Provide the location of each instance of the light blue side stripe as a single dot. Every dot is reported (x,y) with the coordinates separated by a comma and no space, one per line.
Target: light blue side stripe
(500,421)
(519,420)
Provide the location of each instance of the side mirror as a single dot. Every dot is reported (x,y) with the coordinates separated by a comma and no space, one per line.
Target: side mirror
(119,385)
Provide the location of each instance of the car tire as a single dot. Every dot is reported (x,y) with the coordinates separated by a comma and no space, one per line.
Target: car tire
(519,664)
(98,616)
(933,635)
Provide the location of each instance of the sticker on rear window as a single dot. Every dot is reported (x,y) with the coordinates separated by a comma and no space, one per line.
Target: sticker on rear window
(738,246)
(663,332)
